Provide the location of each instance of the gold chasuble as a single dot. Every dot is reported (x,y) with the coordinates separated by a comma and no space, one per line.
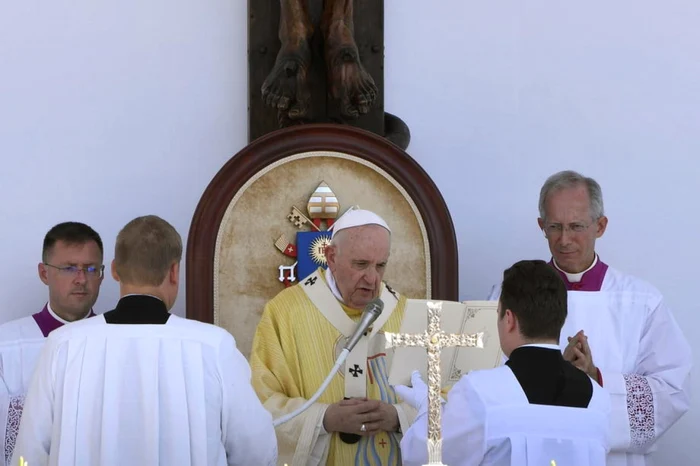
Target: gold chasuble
(296,344)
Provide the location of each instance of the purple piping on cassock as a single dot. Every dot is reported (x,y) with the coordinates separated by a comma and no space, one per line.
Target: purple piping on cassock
(48,323)
(590,281)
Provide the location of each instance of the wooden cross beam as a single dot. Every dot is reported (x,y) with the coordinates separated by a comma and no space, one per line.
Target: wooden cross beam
(434,340)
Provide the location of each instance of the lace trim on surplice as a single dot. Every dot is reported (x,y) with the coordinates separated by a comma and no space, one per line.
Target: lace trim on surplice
(14,416)
(640,409)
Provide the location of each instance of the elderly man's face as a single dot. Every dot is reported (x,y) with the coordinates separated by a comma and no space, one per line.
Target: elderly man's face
(358,262)
(570,229)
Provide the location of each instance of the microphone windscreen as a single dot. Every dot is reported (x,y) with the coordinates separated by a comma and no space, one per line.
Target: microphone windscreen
(376,306)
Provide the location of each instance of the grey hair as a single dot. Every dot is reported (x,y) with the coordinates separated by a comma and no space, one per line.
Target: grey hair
(571,179)
(336,240)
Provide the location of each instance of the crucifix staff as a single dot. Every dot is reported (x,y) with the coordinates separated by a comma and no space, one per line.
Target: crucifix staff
(434,340)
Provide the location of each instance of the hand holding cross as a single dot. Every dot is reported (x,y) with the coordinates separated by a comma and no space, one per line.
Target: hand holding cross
(434,339)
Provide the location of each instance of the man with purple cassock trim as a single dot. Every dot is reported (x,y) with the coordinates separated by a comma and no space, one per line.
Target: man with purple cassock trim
(619,329)
(72,268)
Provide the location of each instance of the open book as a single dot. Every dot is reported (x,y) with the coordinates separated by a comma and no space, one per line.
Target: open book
(467,317)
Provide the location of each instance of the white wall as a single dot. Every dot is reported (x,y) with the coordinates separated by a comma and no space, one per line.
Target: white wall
(114,109)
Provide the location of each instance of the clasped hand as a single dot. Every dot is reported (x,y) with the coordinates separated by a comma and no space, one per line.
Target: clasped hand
(350,415)
(578,353)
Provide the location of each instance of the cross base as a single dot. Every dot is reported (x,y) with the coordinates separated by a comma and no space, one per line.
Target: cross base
(434,453)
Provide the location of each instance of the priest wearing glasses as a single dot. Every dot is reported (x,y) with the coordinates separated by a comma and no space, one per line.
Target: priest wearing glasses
(71,267)
(620,330)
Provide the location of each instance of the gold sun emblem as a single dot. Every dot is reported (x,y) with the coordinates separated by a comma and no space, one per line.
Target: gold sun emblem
(317,249)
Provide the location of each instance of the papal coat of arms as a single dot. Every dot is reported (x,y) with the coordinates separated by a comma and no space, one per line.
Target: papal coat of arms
(309,250)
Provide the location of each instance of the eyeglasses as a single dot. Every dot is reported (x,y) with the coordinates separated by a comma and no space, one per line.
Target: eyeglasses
(73,270)
(555,229)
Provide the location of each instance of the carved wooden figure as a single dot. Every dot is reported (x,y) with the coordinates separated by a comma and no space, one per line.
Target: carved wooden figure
(287,86)
(328,66)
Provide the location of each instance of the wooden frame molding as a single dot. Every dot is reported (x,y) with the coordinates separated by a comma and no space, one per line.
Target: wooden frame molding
(201,243)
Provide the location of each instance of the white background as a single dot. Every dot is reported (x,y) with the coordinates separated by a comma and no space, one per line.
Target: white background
(113,109)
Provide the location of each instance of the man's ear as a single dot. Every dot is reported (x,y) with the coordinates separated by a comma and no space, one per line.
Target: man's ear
(511,321)
(330,253)
(174,273)
(113,268)
(602,224)
(43,273)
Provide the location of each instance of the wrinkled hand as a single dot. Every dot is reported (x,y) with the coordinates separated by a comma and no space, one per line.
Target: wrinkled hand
(578,353)
(389,421)
(348,416)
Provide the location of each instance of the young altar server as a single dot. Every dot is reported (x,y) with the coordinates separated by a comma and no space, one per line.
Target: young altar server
(71,267)
(139,385)
(536,409)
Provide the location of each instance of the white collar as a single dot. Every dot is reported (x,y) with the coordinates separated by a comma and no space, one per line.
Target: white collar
(333,286)
(542,345)
(575,277)
(55,316)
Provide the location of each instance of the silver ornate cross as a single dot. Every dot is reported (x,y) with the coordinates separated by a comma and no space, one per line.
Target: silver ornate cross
(434,339)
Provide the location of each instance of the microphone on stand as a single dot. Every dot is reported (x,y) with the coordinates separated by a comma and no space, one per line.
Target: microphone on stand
(371,312)
(369,315)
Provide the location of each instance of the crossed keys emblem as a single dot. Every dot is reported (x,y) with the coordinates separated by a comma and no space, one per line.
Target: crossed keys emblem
(322,207)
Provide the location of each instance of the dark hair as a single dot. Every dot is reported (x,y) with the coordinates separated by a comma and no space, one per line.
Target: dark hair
(73,233)
(536,294)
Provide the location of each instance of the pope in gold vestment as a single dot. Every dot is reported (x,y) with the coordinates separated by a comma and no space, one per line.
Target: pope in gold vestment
(294,349)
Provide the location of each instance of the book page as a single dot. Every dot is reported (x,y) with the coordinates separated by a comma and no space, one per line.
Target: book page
(465,318)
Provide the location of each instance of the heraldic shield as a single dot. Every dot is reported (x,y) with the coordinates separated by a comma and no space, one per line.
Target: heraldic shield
(263,222)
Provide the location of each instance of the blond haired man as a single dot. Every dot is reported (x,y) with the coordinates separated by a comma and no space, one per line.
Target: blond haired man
(138,385)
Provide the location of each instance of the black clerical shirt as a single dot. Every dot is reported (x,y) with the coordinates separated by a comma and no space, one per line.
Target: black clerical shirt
(547,379)
(138,309)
